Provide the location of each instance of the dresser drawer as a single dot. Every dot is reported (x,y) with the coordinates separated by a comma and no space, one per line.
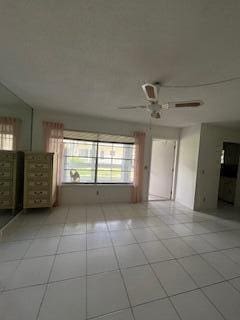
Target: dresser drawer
(36,184)
(38,175)
(5,193)
(5,203)
(37,203)
(5,174)
(5,184)
(37,157)
(7,156)
(38,194)
(5,165)
(35,166)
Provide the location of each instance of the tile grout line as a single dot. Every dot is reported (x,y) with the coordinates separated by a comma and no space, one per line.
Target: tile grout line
(159,279)
(230,283)
(19,262)
(143,227)
(152,263)
(235,263)
(120,272)
(81,277)
(202,291)
(201,288)
(160,241)
(107,314)
(125,245)
(50,272)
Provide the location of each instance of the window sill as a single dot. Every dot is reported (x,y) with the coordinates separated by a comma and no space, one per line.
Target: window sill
(67,184)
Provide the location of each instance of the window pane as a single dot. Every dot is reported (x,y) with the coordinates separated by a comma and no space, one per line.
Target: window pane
(79,161)
(114,176)
(6,141)
(78,148)
(116,150)
(115,163)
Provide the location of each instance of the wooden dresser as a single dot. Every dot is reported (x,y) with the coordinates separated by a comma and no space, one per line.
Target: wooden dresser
(11,179)
(39,180)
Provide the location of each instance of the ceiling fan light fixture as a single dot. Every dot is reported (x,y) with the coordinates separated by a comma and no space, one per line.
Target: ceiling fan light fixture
(155,115)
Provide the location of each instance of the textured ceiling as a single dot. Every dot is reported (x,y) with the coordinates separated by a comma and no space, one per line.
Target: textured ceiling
(91,56)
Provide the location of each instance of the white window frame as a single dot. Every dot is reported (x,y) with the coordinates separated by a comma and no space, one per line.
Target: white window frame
(98,156)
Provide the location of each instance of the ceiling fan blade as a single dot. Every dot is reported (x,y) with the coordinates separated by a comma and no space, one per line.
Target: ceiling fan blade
(188,104)
(132,107)
(182,104)
(151,92)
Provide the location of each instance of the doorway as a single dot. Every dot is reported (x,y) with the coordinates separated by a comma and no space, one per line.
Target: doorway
(229,182)
(162,169)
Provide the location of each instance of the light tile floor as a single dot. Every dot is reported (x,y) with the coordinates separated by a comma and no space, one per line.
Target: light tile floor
(157,260)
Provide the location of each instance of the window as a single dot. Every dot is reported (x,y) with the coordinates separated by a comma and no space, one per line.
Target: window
(94,160)
(6,141)
(9,133)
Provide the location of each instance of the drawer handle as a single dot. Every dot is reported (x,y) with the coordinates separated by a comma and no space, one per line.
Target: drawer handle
(37,201)
(38,183)
(38,175)
(38,166)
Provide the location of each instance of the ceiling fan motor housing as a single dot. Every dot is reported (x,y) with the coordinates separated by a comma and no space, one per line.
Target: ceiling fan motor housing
(153,107)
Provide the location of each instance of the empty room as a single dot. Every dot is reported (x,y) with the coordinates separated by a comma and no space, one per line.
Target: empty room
(119,160)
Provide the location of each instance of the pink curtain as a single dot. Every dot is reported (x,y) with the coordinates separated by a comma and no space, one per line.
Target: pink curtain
(53,142)
(138,167)
(9,133)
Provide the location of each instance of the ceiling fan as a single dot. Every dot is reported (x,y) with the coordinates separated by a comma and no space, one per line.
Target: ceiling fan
(151,92)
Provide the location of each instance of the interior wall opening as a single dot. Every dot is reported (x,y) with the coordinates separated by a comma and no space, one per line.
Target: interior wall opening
(162,170)
(229,181)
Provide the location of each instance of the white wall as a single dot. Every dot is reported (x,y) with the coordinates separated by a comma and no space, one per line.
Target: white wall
(84,194)
(117,193)
(211,143)
(12,106)
(187,165)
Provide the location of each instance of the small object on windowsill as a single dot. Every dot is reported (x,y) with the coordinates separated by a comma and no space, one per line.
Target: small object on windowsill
(75,177)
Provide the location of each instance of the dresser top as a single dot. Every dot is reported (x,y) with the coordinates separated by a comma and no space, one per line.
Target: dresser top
(38,153)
